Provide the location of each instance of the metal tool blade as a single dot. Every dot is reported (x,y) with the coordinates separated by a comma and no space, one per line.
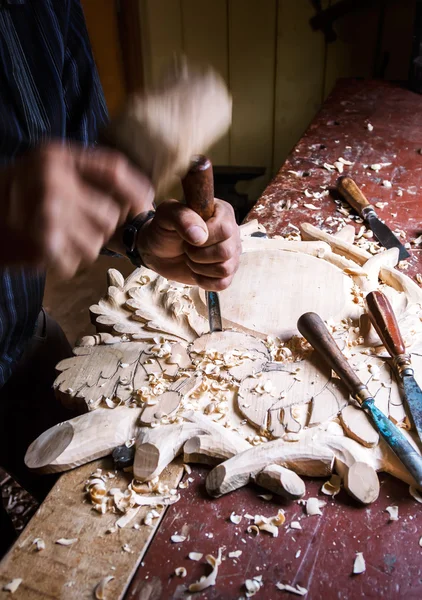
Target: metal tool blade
(384,234)
(413,394)
(214,312)
(411,459)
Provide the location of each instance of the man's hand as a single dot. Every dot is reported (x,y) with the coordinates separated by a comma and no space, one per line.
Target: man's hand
(179,245)
(61,205)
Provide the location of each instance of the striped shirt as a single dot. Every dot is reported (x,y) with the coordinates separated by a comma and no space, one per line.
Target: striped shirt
(49,89)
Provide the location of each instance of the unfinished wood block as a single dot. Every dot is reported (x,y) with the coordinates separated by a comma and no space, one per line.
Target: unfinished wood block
(281,481)
(306,458)
(206,450)
(362,483)
(357,426)
(82,439)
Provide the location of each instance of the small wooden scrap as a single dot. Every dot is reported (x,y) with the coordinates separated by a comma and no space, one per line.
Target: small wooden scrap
(39,544)
(393,512)
(313,506)
(253,585)
(99,591)
(234,518)
(298,589)
(177,539)
(237,553)
(195,555)
(13,585)
(295,525)
(359,566)
(180,572)
(332,487)
(206,582)
(66,541)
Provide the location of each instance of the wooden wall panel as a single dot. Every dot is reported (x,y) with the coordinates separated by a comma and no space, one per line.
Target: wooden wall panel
(161,31)
(205,42)
(252,43)
(102,24)
(300,75)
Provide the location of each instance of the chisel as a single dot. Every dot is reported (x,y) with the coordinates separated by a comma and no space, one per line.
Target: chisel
(198,188)
(354,196)
(384,320)
(312,327)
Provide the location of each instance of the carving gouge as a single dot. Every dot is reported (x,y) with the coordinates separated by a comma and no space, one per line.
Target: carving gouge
(354,196)
(384,320)
(198,187)
(312,327)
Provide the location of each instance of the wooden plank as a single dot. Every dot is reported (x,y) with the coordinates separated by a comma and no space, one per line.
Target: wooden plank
(205,43)
(252,38)
(161,31)
(72,572)
(101,20)
(299,78)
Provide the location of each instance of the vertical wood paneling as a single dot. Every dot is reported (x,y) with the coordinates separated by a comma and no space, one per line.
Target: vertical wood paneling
(161,30)
(204,35)
(252,29)
(353,53)
(300,74)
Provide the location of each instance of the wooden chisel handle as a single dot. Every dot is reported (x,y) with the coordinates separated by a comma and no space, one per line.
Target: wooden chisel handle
(352,194)
(198,187)
(312,327)
(385,322)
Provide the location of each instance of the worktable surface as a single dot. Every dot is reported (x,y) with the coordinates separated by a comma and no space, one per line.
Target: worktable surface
(328,543)
(320,556)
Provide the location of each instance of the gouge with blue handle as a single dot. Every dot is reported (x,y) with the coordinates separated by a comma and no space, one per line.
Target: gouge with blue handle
(312,327)
(384,320)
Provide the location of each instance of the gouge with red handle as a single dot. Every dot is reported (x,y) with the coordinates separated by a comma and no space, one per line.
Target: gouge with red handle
(384,320)
(198,187)
(354,196)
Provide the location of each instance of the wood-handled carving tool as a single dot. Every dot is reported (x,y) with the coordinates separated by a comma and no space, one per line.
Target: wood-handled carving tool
(384,320)
(354,196)
(198,187)
(312,327)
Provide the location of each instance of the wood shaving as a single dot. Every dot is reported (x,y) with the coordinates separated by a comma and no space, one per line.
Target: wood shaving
(127,518)
(387,184)
(206,582)
(359,566)
(378,166)
(127,548)
(252,529)
(313,506)
(415,494)
(298,590)
(312,207)
(66,541)
(339,166)
(234,518)
(420,542)
(295,525)
(369,127)
(39,544)
(13,585)
(99,591)
(418,278)
(195,555)
(393,511)
(332,487)
(349,163)
(329,167)
(237,553)
(253,586)
(298,553)
(381,205)
(180,572)
(266,497)
(176,539)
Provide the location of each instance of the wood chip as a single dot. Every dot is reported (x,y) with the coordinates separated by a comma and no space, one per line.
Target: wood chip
(206,582)
(127,517)
(266,497)
(312,207)
(13,585)
(99,591)
(234,518)
(415,494)
(298,590)
(253,586)
(180,572)
(237,553)
(66,541)
(176,539)
(195,555)
(359,566)
(393,511)
(313,506)
(295,525)
(39,544)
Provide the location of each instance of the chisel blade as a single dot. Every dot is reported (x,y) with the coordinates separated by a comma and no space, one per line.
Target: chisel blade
(413,394)
(214,312)
(384,234)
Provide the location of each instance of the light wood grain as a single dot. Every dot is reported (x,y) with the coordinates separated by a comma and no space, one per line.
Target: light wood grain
(72,572)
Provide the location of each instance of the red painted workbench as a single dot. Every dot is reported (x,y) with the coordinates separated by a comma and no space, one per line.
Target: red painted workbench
(320,556)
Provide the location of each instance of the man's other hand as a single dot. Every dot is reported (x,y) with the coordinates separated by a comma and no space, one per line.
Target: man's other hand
(60,205)
(179,245)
